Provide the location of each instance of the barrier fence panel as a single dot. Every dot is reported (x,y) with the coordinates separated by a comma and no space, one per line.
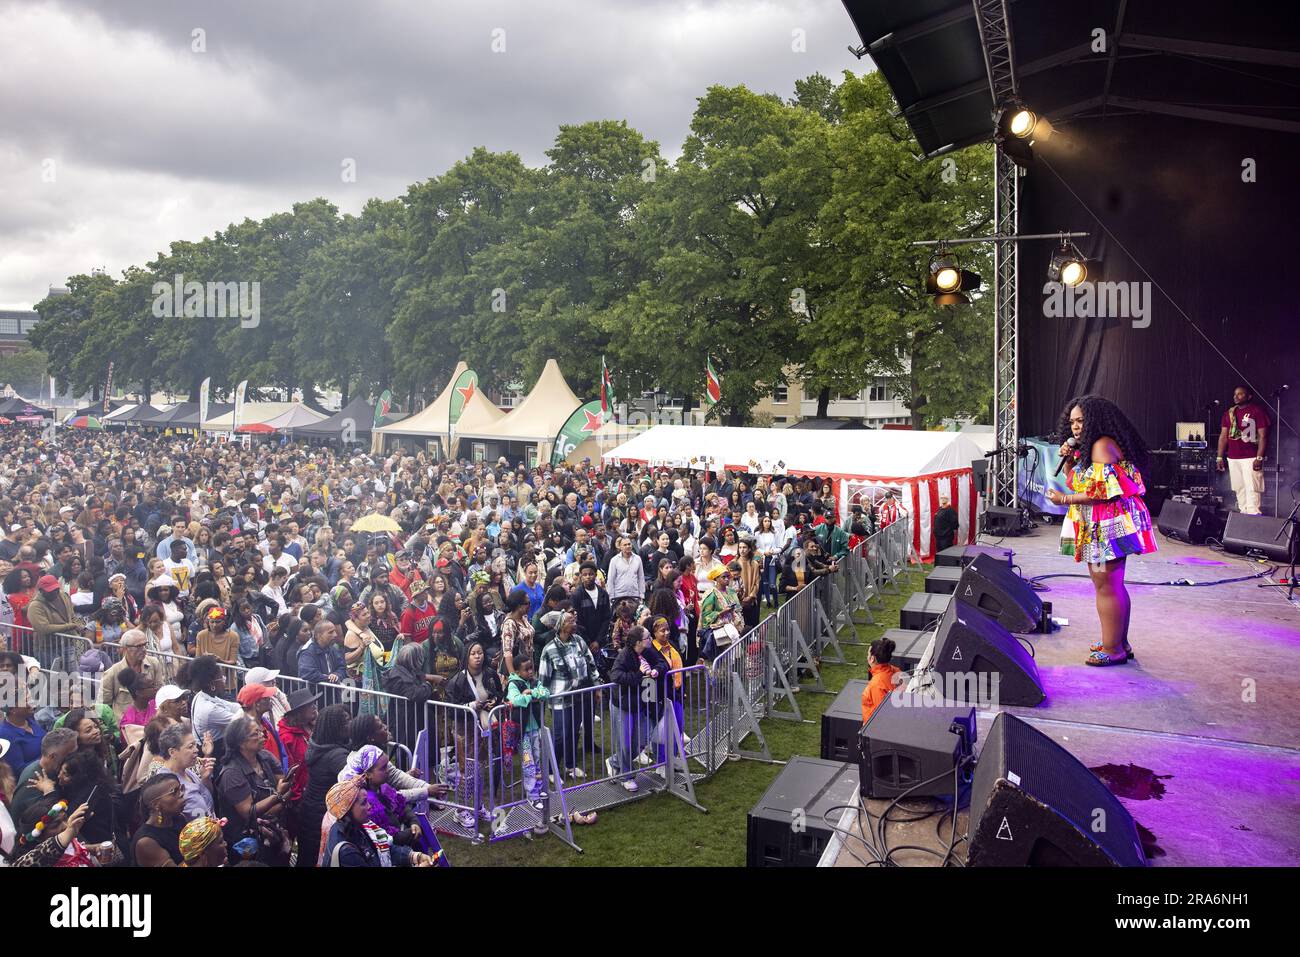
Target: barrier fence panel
(740,696)
(452,751)
(55,652)
(796,624)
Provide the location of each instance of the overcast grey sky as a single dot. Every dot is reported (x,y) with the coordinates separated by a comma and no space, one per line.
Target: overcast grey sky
(118,137)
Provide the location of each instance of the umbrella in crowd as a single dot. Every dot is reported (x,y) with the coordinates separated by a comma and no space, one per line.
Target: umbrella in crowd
(376,523)
(85,422)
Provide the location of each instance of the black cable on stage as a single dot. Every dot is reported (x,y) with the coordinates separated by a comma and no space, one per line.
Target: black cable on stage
(1180,583)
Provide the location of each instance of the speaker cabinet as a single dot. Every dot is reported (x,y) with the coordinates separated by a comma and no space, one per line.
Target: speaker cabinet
(977,660)
(1258,533)
(910,743)
(1001,594)
(922,609)
(963,555)
(1188,523)
(1033,804)
(788,827)
(842,723)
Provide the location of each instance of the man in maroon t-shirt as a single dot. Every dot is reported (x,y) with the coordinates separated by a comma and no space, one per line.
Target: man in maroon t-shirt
(418,614)
(1242,442)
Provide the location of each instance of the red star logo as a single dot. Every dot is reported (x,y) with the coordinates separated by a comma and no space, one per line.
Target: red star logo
(467,392)
(593,422)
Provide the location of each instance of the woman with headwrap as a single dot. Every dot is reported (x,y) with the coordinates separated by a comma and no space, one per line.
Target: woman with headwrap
(355,840)
(409,678)
(202,843)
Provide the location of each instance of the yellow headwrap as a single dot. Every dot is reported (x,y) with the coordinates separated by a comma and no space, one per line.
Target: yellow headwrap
(198,835)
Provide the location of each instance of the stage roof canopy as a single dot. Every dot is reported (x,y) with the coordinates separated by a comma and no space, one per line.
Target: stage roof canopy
(1189,59)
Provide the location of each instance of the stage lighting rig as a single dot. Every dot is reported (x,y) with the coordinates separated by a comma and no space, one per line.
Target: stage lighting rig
(1069,267)
(948,282)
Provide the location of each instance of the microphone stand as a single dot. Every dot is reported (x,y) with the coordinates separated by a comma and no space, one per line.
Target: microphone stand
(1289,528)
(1277,452)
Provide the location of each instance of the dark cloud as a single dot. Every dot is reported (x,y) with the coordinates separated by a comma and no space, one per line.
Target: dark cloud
(152,141)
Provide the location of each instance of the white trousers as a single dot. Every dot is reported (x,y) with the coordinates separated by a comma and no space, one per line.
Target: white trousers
(1247,484)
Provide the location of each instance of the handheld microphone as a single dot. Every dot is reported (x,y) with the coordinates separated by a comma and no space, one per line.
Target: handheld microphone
(1072,442)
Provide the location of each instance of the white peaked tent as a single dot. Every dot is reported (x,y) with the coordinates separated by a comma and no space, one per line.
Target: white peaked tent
(861,465)
(431,421)
(294,418)
(537,419)
(255,413)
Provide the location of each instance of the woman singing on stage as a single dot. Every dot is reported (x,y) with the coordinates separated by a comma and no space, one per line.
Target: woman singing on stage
(1109,517)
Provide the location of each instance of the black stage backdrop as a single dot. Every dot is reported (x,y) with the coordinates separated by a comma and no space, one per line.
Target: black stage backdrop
(1225,252)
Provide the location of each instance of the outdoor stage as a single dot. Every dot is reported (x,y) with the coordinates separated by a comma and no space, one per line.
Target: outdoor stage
(1228,760)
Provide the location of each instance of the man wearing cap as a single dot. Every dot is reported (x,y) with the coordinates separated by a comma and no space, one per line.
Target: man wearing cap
(267,677)
(135,658)
(404,575)
(256,700)
(51,614)
(418,614)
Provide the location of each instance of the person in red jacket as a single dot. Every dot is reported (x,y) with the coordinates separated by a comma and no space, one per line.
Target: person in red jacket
(295,731)
(882,676)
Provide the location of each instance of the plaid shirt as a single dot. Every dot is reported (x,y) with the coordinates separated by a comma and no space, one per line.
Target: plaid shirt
(563,667)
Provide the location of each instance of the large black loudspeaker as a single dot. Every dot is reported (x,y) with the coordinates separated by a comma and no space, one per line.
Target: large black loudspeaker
(912,739)
(1258,533)
(1001,594)
(788,826)
(1033,804)
(1187,523)
(972,648)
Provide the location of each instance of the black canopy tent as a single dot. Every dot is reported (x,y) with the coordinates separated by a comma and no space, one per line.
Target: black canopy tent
(1173,145)
(97,408)
(134,416)
(358,416)
(16,406)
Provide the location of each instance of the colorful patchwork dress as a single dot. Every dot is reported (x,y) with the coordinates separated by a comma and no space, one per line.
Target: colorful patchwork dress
(1119,525)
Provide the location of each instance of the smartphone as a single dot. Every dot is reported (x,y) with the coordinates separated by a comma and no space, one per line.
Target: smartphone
(90,801)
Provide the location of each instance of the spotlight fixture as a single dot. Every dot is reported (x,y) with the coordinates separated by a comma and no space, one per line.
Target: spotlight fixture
(1068,265)
(1014,130)
(948,282)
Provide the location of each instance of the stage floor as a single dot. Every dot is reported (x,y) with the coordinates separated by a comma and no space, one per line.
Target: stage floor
(1210,705)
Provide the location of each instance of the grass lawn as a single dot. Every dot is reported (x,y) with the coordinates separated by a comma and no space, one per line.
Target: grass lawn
(662,830)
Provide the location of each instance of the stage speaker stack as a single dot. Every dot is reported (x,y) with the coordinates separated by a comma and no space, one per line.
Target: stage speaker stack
(974,648)
(910,739)
(1000,593)
(1262,534)
(1033,804)
(788,826)
(909,646)
(943,580)
(1192,524)
(841,723)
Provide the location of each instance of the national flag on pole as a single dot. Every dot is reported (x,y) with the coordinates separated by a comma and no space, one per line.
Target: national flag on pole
(607,400)
(712,384)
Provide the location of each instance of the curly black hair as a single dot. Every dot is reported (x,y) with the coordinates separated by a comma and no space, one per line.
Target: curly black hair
(1102,417)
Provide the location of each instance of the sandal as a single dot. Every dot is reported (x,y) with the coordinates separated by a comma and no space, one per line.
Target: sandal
(577,817)
(1128,649)
(1101,659)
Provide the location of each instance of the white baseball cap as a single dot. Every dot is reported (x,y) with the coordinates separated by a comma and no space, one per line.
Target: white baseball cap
(260,676)
(167,693)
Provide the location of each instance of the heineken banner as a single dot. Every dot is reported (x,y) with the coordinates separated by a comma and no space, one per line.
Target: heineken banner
(1037,474)
(461,392)
(582,425)
(382,407)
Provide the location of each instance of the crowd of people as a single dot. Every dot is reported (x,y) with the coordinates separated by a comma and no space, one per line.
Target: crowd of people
(183,579)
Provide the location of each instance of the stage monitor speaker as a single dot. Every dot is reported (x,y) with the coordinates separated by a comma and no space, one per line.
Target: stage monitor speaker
(1033,804)
(802,793)
(1268,536)
(1187,523)
(962,555)
(1001,521)
(911,739)
(1001,594)
(921,610)
(842,722)
(973,648)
